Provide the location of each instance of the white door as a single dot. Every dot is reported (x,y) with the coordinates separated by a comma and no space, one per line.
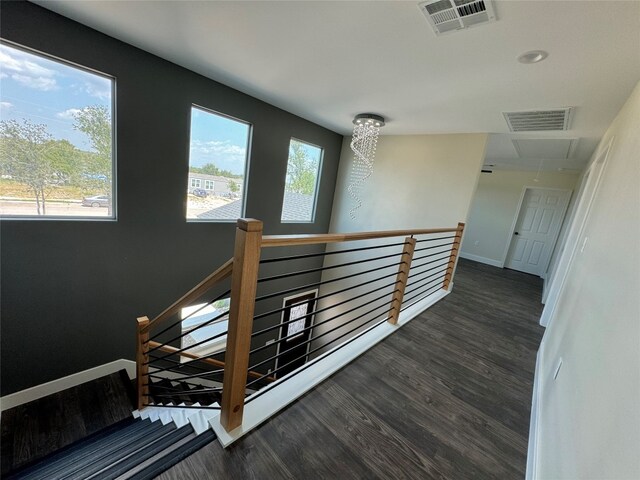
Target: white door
(537,228)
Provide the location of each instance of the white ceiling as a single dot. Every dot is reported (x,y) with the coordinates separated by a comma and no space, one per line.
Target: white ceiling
(329,60)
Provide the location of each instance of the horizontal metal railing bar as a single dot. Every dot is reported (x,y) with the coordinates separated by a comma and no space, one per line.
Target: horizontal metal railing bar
(334,252)
(273,327)
(319,336)
(317,284)
(448,244)
(423,283)
(432,239)
(178,364)
(435,287)
(446,257)
(184,349)
(156,335)
(211,407)
(311,363)
(195,391)
(203,375)
(312,239)
(428,276)
(412,273)
(322,346)
(330,267)
(431,255)
(220,274)
(278,310)
(155,384)
(311,327)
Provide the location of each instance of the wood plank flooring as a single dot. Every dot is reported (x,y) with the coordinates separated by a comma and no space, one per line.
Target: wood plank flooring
(31,431)
(446,397)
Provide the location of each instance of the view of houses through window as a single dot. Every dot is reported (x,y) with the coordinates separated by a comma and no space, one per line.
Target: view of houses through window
(217,166)
(301,184)
(196,315)
(55,138)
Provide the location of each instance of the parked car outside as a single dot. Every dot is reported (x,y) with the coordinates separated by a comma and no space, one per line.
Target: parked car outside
(199,192)
(96,201)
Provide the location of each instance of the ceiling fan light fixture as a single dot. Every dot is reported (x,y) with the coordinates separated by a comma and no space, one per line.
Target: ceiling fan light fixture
(533,56)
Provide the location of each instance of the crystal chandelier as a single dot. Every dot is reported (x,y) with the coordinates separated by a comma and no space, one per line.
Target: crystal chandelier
(366,128)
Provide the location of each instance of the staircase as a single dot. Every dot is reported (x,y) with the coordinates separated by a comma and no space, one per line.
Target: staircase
(141,446)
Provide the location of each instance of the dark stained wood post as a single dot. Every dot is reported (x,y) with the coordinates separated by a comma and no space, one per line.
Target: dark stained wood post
(244,281)
(401,279)
(453,258)
(142,359)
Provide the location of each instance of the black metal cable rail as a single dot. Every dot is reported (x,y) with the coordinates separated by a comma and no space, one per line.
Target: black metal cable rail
(428,269)
(416,265)
(448,244)
(219,297)
(279,310)
(273,327)
(434,239)
(157,384)
(437,279)
(189,347)
(317,284)
(424,292)
(322,346)
(276,342)
(178,364)
(195,391)
(335,252)
(194,360)
(203,375)
(428,276)
(200,407)
(270,359)
(448,252)
(322,269)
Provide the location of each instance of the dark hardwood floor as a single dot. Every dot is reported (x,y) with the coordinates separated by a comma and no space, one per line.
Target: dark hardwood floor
(36,429)
(448,396)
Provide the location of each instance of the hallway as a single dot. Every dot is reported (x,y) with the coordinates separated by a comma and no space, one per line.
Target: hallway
(447,396)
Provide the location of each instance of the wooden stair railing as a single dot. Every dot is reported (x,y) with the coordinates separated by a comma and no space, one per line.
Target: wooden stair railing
(243,269)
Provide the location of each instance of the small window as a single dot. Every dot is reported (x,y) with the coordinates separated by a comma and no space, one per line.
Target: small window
(195,183)
(195,315)
(218,151)
(56,138)
(301,184)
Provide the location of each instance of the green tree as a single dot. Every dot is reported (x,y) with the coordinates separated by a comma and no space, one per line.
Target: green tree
(30,155)
(301,170)
(233,186)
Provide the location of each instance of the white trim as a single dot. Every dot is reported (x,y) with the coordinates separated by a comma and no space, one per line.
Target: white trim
(283,393)
(478,258)
(73,380)
(532,450)
(574,235)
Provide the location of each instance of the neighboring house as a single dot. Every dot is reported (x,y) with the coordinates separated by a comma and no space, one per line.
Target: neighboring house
(295,207)
(214,184)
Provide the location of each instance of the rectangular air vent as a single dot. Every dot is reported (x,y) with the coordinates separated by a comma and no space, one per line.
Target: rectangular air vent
(552,148)
(538,120)
(451,15)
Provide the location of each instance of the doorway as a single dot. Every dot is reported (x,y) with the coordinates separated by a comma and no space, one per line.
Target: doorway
(295,331)
(537,226)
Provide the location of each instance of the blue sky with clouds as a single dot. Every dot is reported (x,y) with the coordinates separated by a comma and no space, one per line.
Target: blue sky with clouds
(48,92)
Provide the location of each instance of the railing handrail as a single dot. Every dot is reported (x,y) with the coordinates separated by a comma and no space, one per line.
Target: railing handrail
(311,239)
(220,274)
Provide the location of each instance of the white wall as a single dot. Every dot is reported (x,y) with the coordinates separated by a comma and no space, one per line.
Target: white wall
(589,418)
(495,206)
(419,181)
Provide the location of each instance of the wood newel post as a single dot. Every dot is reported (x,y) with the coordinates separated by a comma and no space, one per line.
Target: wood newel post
(244,280)
(142,357)
(401,279)
(453,258)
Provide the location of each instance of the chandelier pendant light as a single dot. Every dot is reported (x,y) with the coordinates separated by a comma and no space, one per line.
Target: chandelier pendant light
(366,128)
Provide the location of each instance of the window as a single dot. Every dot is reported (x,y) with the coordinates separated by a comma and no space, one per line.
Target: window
(218,150)
(194,316)
(195,183)
(56,138)
(301,184)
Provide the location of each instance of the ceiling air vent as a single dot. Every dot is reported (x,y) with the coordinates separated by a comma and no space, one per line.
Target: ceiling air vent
(538,120)
(451,15)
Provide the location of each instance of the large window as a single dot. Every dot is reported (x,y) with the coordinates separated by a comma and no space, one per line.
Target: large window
(301,184)
(56,138)
(218,158)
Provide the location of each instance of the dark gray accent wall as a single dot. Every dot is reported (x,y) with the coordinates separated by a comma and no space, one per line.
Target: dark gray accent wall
(71,290)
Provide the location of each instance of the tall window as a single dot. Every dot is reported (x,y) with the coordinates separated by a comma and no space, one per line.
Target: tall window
(56,138)
(219,151)
(301,185)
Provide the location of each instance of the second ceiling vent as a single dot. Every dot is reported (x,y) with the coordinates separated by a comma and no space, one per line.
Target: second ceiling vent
(451,15)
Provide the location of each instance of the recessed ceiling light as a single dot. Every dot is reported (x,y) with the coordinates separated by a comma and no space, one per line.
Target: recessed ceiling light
(534,56)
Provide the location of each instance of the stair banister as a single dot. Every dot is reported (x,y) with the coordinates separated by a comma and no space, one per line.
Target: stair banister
(453,259)
(142,361)
(401,279)
(244,283)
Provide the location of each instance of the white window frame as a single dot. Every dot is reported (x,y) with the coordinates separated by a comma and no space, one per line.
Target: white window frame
(195,183)
(209,185)
(316,190)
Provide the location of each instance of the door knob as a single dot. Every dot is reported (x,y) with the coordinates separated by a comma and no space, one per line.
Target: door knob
(515,233)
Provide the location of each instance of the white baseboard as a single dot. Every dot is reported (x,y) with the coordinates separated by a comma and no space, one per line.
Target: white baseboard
(532,451)
(485,260)
(284,392)
(73,380)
